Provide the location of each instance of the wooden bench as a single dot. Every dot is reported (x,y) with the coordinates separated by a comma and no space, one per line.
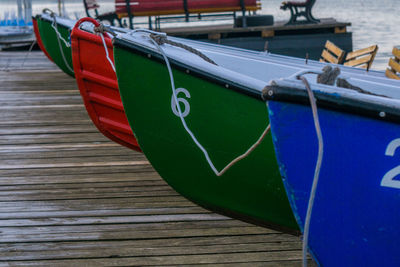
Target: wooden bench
(295,11)
(111,17)
(360,58)
(136,8)
(394,65)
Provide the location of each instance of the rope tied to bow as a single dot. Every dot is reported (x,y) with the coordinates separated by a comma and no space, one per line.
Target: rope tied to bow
(101,30)
(59,37)
(162,39)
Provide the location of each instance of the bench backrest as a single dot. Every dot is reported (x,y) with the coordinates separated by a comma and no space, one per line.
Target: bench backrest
(91,4)
(174,7)
(394,65)
(361,58)
(332,54)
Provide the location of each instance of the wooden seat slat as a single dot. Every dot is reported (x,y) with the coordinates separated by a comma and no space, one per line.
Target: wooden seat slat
(361,52)
(334,49)
(391,75)
(394,65)
(177,12)
(328,57)
(137,8)
(359,61)
(332,53)
(176,7)
(396,52)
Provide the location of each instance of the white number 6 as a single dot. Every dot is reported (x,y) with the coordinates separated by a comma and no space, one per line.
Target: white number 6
(174,107)
(388,179)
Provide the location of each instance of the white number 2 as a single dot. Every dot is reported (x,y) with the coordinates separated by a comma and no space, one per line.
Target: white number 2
(174,107)
(388,179)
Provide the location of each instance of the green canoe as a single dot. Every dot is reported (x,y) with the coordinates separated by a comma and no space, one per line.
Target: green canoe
(225,113)
(62,57)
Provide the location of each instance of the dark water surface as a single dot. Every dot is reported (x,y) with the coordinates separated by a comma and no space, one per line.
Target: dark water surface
(373,22)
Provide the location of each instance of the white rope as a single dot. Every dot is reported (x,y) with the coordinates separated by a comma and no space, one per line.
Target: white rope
(212,166)
(317,168)
(106,49)
(54,26)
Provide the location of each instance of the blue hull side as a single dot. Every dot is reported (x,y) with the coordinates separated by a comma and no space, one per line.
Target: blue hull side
(356,215)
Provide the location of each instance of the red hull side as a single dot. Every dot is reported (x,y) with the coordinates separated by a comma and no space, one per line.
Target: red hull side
(98,86)
(38,39)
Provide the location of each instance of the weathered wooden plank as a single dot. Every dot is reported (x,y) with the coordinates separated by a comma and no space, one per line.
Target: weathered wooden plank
(391,74)
(394,65)
(163,217)
(67,185)
(87,170)
(328,57)
(95,204)
(47,147)
(171,242)
(246,257)
(396,52)
(83,152)
(331,47)
(123,233)
(361,52)
(68,178)
(135,251)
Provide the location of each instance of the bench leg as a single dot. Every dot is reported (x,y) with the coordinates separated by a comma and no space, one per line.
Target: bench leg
(310,17)
(293,16)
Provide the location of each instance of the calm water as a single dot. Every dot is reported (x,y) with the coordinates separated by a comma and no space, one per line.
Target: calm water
(373,22)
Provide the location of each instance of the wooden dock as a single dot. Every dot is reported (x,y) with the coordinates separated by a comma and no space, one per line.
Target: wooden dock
(71,197)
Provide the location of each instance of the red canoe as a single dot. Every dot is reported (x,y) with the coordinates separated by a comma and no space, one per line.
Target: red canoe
(38,39)
(98,85)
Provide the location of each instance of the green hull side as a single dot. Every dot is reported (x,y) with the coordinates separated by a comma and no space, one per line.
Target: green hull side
(49,39)
(225,122)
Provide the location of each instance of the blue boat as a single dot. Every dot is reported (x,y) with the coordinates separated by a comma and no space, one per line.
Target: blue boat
(355,219)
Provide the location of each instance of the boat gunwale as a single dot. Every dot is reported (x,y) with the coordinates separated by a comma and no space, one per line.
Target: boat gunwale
(199,73)
(335,101)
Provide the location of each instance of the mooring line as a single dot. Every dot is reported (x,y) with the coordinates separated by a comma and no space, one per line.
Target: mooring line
(317,168)
(54,26)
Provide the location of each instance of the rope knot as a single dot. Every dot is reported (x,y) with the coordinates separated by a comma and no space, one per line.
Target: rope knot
(158,38)
(103,28)
(99,29)
(329,75)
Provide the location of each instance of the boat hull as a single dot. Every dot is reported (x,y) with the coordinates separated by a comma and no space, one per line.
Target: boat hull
(226,122)
(354,220)
(38,38)
(98,85)
(50,43)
